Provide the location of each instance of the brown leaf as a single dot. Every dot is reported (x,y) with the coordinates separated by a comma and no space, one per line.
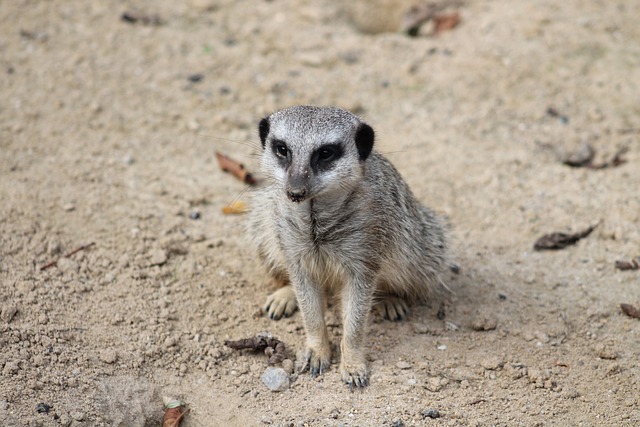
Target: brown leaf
(423,12)
(623,265)
(173,415)
(445,22)
(630,310)
(555,241)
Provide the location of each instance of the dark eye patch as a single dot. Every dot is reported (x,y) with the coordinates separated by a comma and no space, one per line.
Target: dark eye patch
(281,151)
(324,157)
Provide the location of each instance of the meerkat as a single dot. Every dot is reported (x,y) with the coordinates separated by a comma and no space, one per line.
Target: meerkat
(336,218)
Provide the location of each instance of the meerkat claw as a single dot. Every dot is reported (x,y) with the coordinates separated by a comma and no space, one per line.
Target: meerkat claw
(392,308)
(315,363)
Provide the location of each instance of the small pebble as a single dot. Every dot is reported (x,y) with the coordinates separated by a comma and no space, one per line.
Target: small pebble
(54,247)
(194,215)
(403,365)
(431,413)
(109,356)
(8,313)
(491,363)
(158,257)
(605,352)
(276,379)
(435,384)
(397,423)
(570,393)
(4,405)
(484,322)
(77,415)
(67,265)
(420,328)
(43,408)
(64,420)
(195,78)
(43,319)
(11,367)
(287,365)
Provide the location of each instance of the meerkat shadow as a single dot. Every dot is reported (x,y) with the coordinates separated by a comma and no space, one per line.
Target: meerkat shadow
(471,301)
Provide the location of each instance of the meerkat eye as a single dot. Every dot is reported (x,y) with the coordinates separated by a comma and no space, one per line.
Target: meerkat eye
(325,157)
(280,149)
(326,154)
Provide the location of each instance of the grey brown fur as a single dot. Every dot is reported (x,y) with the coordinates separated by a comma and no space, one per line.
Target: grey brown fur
(337,218)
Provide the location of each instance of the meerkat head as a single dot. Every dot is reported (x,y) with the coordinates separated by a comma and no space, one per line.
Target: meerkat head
(312,151)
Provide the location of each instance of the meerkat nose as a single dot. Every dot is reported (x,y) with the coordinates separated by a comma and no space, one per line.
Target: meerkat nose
(297,195)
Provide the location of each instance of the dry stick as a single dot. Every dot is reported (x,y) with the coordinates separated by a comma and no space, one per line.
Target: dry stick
(227,164)
(73,252)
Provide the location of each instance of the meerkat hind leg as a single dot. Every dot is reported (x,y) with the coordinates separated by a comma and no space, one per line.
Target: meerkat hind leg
(281,302)
(391,307)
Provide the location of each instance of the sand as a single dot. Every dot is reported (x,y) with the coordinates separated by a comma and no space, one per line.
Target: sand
(108,130)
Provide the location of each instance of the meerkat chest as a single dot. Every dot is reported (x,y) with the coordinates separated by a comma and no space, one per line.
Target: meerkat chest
(320,231)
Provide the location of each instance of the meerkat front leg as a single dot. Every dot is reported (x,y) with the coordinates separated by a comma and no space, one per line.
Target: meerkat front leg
(356,305)
(312,304)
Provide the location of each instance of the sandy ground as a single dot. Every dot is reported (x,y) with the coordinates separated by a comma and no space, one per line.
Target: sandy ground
(108,137)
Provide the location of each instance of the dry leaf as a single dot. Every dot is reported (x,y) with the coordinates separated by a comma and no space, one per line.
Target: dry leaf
(561,240)
(630,310)
(174,412)
(234,208)
(445,22)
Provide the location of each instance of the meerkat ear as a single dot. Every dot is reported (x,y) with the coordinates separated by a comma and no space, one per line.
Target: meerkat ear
(263,129)
(364,140)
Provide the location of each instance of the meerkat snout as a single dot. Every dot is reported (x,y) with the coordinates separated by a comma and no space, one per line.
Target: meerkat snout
(297,195)
(297,185)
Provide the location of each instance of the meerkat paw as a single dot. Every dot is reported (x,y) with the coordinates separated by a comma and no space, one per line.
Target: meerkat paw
(392,308)
(281,302)
(317,360)
(354,374)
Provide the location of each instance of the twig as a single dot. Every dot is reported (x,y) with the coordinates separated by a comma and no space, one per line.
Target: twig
(227,164)
(73,252)
(272,347)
